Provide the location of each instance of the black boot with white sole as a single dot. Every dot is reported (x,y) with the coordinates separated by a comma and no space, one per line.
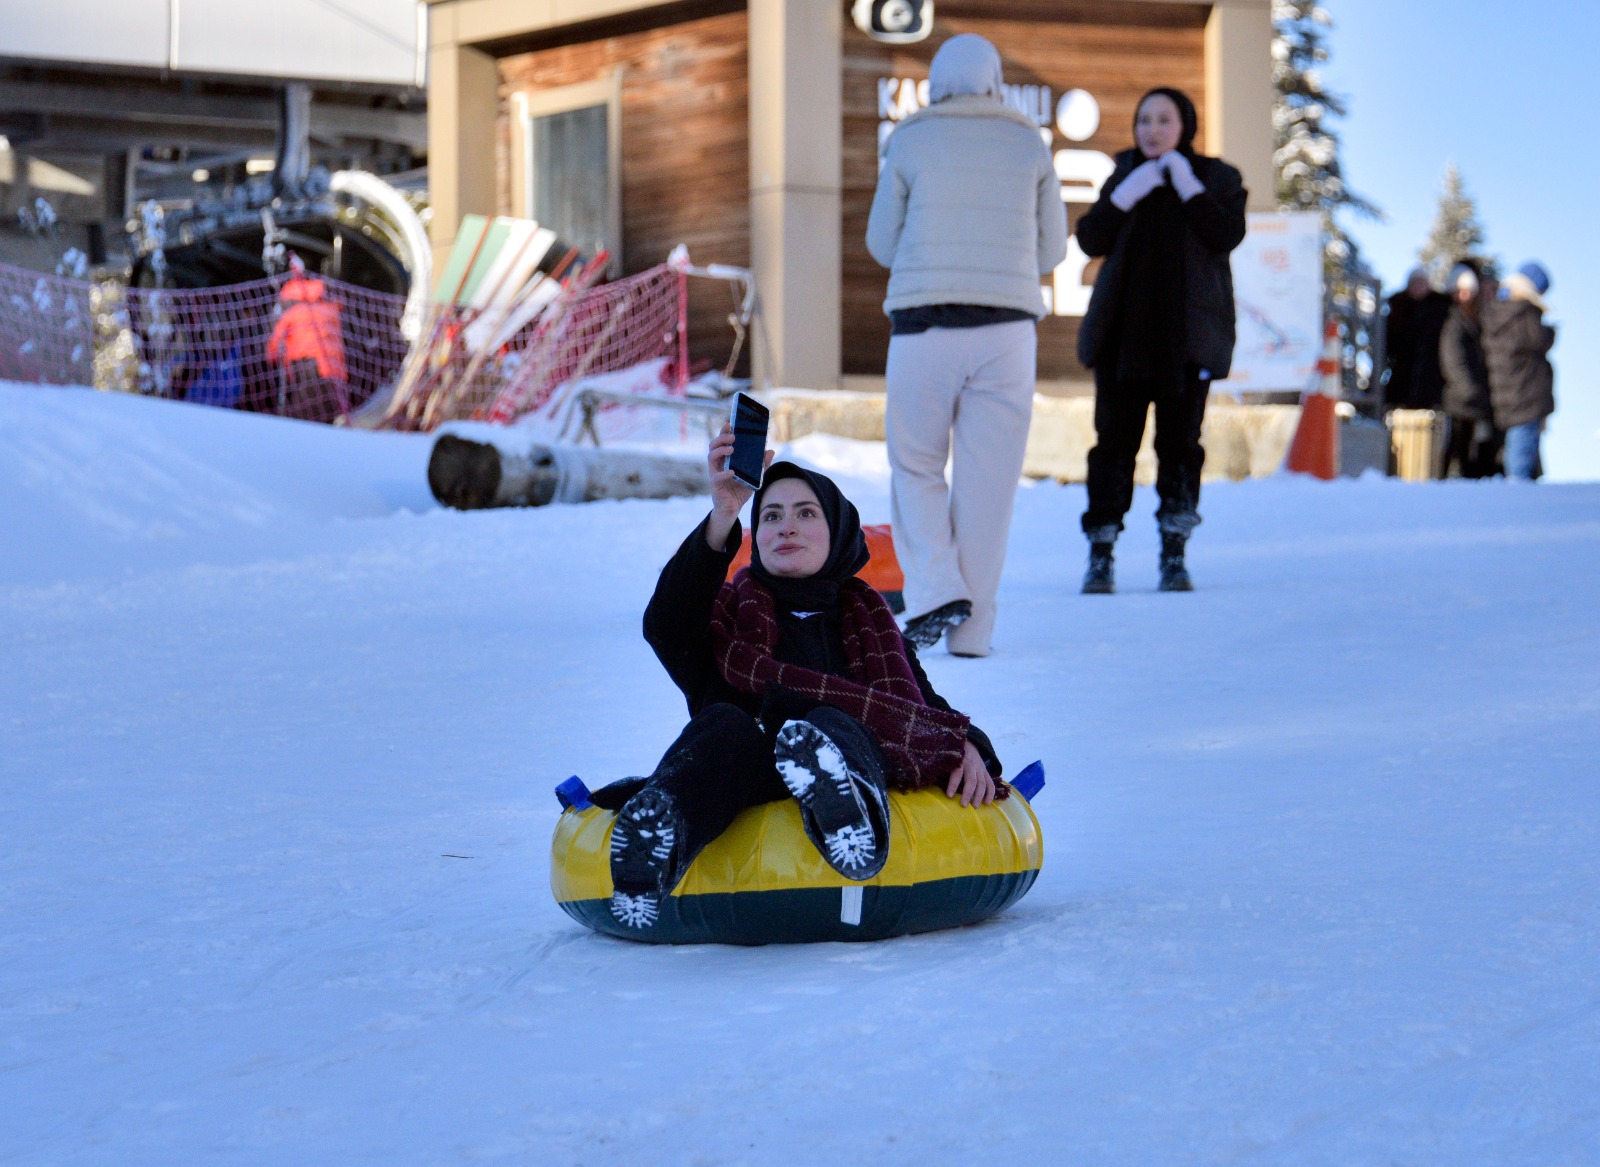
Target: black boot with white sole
(644,844)
(845,813)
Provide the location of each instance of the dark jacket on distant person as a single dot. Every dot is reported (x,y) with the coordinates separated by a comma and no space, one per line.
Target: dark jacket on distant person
(1466,376)
(1516,341)
(1214,224)
(1415,381)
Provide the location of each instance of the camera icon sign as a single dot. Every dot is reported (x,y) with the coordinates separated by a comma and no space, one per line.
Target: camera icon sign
(894,21)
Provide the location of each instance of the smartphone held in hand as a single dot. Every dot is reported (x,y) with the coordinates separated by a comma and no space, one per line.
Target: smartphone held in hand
(749,440)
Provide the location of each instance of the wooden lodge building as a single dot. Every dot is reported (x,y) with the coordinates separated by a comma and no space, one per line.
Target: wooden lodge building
(749,130)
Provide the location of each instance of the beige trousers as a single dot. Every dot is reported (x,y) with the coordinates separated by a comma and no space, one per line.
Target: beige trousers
(973,386)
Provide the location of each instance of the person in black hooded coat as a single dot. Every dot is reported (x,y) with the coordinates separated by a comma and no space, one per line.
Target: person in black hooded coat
(1160,324)
(1472,448)
(799,684)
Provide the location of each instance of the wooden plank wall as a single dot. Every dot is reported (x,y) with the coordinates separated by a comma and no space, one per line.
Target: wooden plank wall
(1116,51)
(685,148)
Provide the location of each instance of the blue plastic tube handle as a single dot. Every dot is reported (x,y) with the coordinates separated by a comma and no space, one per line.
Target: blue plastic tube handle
(1030,781)
(573,794)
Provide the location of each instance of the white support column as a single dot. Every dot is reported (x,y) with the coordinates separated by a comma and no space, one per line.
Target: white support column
(795,145)
(463,100)
(1239,94)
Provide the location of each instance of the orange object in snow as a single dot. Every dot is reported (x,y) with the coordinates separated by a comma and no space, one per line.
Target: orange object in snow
(1315,449)
(882,571)
(308,330)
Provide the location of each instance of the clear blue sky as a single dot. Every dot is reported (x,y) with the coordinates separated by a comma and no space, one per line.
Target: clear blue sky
(1510,93)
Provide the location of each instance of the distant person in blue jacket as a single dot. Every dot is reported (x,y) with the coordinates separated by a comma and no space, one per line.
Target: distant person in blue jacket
(1516,348)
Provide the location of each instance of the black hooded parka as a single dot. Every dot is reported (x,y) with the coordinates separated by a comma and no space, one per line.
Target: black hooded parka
(1213,224)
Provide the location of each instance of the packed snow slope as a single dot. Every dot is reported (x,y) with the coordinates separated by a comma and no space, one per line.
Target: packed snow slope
(1322,876)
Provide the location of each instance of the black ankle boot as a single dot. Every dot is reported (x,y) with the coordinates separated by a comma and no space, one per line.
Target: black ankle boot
(1174,575)
(928,629)
(1098,578)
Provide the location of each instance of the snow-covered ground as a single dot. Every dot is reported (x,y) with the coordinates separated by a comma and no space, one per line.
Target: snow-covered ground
(277,743)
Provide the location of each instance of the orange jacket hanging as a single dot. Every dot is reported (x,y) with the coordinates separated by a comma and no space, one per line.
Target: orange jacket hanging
(308,330)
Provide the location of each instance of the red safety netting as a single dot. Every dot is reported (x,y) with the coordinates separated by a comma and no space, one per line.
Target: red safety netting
(320,350)
(307,348)
(310,348)
(485,365)
(46,328)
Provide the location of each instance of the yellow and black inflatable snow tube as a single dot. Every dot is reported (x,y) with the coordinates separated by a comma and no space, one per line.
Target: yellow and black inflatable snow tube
(762,881)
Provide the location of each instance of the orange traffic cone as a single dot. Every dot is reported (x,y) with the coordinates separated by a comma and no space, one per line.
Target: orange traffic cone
(1315,449)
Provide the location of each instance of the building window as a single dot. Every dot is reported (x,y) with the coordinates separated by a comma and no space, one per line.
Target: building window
(569,164)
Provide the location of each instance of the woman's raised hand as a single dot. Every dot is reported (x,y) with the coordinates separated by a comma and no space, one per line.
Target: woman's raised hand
(1143,179)
(728,493)
(971,779)
(1182,174)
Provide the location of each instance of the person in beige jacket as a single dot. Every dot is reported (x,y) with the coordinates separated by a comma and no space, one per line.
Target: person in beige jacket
(967,217)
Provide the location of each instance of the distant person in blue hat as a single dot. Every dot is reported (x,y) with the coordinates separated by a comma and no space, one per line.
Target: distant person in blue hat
(1516,345)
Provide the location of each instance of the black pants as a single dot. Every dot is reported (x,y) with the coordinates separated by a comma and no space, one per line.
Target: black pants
(1468,455)
(722,764)
(1120,408)
(305,393)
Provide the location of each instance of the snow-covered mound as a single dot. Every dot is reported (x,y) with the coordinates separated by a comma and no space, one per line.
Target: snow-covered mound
(278,736)
(89,479)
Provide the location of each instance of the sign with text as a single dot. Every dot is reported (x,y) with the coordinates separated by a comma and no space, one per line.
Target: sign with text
(1277,291)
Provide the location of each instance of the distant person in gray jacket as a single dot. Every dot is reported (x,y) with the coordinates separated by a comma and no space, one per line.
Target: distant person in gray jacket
(967,218)
(1160,325)
(1516,349)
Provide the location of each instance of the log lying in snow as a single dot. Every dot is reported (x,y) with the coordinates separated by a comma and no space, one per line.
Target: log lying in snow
(471,476)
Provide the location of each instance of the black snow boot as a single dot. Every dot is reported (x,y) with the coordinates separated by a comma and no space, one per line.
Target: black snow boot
(1099,579)
(1174,575)
(643,856)
(928,629)
(836,803)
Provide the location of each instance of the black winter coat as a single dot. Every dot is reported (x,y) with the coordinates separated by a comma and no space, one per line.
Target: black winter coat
(1412,344)
(677,625)
(1466,376)
(1515,343)
(1215,225)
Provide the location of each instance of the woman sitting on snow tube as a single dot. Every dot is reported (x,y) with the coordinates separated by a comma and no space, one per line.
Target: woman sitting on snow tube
(800,685)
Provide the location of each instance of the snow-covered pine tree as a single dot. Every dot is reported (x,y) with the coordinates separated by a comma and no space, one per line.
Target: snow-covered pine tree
(1306,150)
(1456,233)
(1310,178)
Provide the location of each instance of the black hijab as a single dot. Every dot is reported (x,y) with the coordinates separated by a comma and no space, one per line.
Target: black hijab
(1186,115)
(1151,299)
(847,546)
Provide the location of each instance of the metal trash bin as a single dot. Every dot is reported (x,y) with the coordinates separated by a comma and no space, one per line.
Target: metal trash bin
(1417,437)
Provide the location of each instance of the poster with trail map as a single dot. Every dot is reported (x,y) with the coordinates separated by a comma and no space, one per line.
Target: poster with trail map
(1277,290)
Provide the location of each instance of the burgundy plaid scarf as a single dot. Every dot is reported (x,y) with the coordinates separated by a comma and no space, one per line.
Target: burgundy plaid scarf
(922,745)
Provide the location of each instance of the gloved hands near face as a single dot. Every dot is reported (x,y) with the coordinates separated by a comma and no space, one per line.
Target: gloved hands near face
(1176,165)
(1151,174)
(1144,179)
